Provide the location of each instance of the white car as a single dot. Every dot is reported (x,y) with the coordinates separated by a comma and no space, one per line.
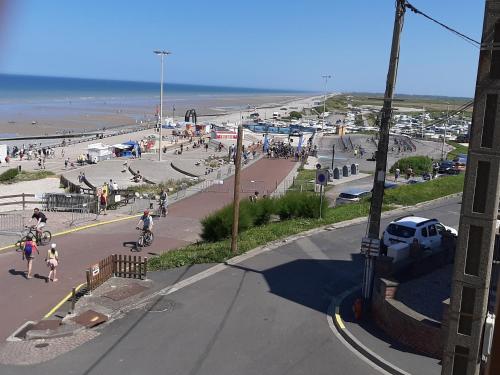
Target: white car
(426,231)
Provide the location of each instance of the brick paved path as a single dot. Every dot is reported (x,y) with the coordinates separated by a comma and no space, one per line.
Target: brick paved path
(22,300)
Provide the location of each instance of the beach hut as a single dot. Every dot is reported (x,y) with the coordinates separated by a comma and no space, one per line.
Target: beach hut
(98,152)
(3,153)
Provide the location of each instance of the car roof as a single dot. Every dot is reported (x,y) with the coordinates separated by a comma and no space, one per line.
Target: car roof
(413,221)
(355,191)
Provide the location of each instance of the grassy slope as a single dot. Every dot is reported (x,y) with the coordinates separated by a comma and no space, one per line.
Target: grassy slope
(220,251)
(29,176)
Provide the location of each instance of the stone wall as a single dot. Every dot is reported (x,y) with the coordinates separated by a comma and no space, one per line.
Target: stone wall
(405,325)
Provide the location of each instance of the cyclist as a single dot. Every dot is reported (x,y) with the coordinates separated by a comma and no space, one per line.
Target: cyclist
(41,220)
(163,202)
(147,222)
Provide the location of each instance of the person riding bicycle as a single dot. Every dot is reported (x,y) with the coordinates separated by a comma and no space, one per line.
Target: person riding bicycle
(147,222)
(41,220)
(163,200)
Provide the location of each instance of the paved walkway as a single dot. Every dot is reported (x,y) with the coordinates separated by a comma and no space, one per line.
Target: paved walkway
(24,300)
(266,314)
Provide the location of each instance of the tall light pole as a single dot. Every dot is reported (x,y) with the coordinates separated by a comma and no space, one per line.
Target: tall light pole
(162,53)
(444,134)
(326,77)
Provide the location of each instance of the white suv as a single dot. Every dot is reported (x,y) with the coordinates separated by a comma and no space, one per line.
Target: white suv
(405,229)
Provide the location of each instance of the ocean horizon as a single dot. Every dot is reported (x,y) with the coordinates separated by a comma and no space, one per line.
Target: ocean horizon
(15,88)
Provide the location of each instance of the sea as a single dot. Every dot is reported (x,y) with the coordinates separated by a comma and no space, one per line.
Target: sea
(55,103)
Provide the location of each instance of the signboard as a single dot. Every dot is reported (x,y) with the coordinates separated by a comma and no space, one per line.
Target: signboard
(322,177)
(95,269)
(370,246)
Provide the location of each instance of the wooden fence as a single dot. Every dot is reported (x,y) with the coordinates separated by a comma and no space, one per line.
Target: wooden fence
(21,201)
(127,266)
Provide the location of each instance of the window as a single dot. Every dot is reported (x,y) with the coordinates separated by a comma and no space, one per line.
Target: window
(400,231)
(440,228)
(432,230)
(424,232)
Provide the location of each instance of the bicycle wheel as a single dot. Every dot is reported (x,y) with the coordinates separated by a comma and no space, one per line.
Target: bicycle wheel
(45,238)
(140,242)
(148,238)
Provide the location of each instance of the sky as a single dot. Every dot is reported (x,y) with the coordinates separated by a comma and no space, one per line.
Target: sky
(283,44)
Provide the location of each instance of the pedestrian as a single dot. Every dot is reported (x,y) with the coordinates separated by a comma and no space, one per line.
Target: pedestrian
(29,249)
(66,162)
(103,202)
(396,174)
(52,261)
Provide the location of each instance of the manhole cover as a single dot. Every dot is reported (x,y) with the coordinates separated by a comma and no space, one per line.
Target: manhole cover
(42,345)
(161,305)
(125,292)
(90,318)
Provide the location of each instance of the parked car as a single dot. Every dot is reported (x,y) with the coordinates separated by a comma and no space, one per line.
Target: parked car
(351,195)
(405,229)
(460,162)
(448,167)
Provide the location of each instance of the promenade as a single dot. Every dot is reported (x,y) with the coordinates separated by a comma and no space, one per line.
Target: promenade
(24,300)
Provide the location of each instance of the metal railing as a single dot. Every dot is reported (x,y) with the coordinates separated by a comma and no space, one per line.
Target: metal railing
(11,224)
(84,213)
(67,202)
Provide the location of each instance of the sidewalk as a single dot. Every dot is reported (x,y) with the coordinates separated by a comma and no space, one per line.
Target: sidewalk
(24,300)
(365,337)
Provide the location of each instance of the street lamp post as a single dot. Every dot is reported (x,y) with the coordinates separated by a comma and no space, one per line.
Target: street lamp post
(445,124)
(326,78)
(162,53)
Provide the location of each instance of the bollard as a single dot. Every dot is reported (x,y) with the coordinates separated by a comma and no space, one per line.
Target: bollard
(73,301)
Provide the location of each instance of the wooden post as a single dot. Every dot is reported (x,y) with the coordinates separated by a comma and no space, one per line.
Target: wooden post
(24,202)
(145,268)
(236,196)
(73,300)
(89,286)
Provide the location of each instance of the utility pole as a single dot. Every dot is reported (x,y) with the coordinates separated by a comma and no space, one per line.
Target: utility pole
(423,122)
(326,78)
(463,348)
(236,197)
(383,146)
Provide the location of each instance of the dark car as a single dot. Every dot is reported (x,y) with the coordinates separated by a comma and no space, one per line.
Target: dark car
(448,167)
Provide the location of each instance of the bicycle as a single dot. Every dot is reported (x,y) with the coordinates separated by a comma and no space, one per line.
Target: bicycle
(44,239)
(145,238)
(162,209)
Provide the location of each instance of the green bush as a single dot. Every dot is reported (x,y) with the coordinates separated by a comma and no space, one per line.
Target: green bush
(218,225)
(299,205)
(9,174)
(419,164)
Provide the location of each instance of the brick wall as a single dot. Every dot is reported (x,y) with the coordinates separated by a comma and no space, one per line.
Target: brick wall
(403,324)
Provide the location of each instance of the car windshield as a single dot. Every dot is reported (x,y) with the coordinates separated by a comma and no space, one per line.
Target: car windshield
(400,231)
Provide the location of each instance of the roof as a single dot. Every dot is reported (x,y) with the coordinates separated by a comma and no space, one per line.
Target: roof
(355,191)
(412,221)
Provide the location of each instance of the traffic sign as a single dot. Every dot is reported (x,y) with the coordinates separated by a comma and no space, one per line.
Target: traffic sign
(370,246)
(322,177)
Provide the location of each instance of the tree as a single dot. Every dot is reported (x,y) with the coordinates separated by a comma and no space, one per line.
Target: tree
(295,114)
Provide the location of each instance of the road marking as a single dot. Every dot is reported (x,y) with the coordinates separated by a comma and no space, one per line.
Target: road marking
(338,318)
(56,307)
(82,228)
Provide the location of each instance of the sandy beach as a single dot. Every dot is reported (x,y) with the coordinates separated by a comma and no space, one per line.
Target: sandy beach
(88,115)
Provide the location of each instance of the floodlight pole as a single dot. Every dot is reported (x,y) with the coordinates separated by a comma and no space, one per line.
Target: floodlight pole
(162,54)
(326,77)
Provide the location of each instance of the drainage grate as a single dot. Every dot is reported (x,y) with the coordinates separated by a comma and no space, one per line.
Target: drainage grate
(161,305)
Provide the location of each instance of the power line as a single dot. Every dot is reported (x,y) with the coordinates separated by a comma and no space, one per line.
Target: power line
(469,40)
(459,110)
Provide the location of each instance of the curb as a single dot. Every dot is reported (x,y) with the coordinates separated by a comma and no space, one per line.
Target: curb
(375,359)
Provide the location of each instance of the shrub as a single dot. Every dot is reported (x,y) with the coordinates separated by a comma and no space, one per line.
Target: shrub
(9,174)
(219,224)
(296,204)
(419,164)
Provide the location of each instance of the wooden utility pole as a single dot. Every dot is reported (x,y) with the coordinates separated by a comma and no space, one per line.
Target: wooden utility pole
(236,197)
(383,145)
(464,350)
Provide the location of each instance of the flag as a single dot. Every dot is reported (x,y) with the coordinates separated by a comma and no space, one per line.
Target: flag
(266,143)
(301,140)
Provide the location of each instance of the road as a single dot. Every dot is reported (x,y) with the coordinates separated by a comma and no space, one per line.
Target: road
(22,300)
(266,315)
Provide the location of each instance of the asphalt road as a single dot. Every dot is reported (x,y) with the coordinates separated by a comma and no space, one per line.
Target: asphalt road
(22,300)
(266,315)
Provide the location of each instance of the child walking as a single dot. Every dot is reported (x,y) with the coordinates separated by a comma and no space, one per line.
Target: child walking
(52,262)
(29,249)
